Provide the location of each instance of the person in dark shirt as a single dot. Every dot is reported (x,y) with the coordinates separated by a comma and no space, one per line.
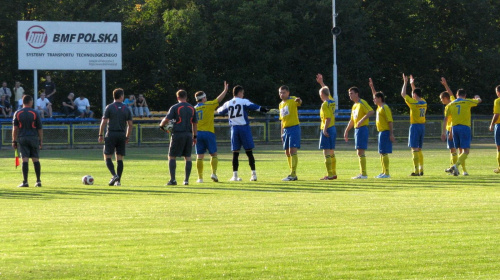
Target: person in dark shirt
(118,122)
(68,106)
(183,136)
(50,88)
(27,135)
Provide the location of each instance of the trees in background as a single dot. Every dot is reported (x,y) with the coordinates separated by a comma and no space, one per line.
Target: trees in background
(262,44)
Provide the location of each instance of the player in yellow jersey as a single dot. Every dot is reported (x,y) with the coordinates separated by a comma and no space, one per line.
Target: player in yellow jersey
(459,112)
(290,129)
(495,126)
(328,135)
(447,97)
(418,108)
(360,118)
(206,132)
(385,129)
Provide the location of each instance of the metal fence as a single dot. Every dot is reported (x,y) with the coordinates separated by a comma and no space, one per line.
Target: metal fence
(263,130)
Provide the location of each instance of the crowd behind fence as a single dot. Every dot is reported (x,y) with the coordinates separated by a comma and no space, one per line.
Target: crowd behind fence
(267,129)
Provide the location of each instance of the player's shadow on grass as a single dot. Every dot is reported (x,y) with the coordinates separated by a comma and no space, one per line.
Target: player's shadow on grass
(48,194)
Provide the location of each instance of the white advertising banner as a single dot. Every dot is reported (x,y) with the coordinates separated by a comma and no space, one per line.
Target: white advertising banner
(59,45)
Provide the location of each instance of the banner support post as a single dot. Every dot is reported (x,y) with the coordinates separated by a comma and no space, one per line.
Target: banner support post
(103,91)
(35,87)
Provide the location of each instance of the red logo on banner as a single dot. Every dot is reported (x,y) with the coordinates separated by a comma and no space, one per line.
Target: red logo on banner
(36,37)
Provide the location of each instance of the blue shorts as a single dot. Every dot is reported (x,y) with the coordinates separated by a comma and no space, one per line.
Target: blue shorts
(416,137)
(361,138)
(497,134)
(462,136)
(206,141)
(241,135)
(328,143)
(384,142)
(291,137)
(449,142)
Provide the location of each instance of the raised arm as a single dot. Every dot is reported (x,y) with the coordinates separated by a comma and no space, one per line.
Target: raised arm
(446,87)
(372,87)
(319,79)
(412,83)
(405,85)
(223,93)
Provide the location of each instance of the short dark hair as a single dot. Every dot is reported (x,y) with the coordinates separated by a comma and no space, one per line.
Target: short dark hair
(418,92)
(27,99)
(497,88)
(461,92)
(283,87)
(117,93)
(380,95)
(444,94)
(182,94)
(237,90)
(355,89)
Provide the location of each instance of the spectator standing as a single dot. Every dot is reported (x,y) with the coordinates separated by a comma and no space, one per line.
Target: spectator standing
(69,107)
(142,106)
(18,94)
(83,107)
(50,88)
(43,105)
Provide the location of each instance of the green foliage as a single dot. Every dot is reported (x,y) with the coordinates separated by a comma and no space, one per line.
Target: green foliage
(262,44)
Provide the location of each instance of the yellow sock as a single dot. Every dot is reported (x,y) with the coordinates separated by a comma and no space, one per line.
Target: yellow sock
(498,158)
(295,160)
(382,163)
(362,165)
(328,164)
(461,159)
(289,159)
(463,166)
(386,163)
(334,165)
(421,161)
(199,166)
(415,161)
(214,161)
(453,159)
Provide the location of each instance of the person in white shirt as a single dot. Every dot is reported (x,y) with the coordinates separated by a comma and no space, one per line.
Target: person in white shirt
(44,106)
(18,94)
(241,134)
(83,107)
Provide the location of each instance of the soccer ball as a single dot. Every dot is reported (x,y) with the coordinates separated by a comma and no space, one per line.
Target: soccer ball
(169,126)
(88,180)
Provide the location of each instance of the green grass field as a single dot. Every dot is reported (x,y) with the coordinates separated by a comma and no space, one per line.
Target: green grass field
(431,227)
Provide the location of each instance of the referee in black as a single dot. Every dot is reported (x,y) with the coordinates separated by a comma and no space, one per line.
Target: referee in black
(183,136)
(118,122)
(27,135)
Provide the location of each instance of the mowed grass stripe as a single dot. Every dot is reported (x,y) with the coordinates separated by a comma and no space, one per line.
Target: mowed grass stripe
(437,226)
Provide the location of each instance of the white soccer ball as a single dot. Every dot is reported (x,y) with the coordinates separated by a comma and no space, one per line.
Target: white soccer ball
(169,126)
(88,180)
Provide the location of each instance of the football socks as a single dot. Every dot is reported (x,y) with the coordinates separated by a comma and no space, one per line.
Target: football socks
(38,170)
(328,164)
(362,165)
(295,160)
(171,167)
(189,166)
(454,158)
(199,167)
(235,161)
(111,166)
(415,161)
(251,159)
(334,165)
(421,160)
(214,161)
(119,168)
(461,159)
(26,168)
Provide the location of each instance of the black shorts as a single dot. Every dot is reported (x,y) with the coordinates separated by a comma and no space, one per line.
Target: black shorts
(114,141)
(181,144)
(28,147)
